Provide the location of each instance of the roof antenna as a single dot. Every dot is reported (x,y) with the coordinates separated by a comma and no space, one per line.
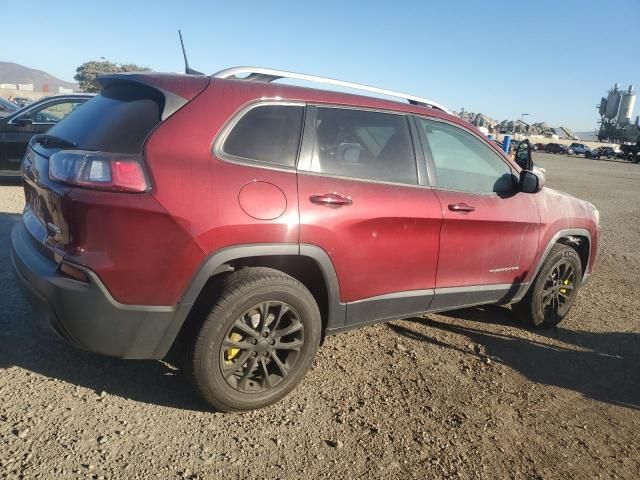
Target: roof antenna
(187,68)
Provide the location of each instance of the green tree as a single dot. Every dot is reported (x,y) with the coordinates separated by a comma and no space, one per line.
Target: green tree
(88,71)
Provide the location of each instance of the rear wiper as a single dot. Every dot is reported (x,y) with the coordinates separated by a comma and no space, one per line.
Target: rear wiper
(51,141)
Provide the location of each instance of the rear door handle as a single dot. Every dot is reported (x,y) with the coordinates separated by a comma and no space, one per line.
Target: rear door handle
(330,200)
(461,207)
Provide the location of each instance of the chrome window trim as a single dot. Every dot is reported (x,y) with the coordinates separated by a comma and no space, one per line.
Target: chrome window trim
(367,180)
(356,107)
(218,143)
(304,164)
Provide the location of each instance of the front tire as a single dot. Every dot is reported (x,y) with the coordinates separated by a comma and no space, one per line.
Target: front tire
(554,289)
(257,342)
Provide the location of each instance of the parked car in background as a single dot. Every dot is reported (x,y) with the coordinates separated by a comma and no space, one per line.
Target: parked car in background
(606,152)
(17,129)
(557,148)
(7,107)
(540,147)
(22,101)
(579,148)
(630,153)
(249,219)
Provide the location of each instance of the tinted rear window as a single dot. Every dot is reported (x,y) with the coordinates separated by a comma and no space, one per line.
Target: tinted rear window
(268,133)
(118,120)
(364,144)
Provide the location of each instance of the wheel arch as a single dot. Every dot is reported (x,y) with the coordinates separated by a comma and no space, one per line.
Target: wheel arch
(309,264)
(582,245)
(577,238)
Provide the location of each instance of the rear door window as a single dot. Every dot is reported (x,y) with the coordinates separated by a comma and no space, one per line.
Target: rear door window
(364,144)
(118,120)
(266,134)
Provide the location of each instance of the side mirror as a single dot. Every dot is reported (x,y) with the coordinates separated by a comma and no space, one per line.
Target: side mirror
(531,181)
(523,155)
(22,121)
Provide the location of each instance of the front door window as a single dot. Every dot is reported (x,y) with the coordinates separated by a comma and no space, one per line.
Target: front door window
(50,113)
(463,162)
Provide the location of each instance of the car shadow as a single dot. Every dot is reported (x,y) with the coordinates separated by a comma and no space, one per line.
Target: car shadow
(27,343)
(601,366)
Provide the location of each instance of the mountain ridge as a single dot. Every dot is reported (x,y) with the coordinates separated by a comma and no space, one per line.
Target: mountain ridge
(15,73)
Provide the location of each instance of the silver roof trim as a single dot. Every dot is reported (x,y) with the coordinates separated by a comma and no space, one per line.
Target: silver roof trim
(259,74)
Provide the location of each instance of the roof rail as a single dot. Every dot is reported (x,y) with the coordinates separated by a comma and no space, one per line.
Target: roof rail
(259,74)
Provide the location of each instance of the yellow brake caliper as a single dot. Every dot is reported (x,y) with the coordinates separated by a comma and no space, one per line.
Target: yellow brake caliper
(233,352)
(565,282)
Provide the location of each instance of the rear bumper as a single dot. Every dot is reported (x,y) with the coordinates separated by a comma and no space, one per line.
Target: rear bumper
(85,314)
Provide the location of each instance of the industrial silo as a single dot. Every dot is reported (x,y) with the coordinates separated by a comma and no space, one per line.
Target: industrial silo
(603,106)
(627,102)
(613,102)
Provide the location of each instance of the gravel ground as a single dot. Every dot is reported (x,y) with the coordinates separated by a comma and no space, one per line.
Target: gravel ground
(469,394)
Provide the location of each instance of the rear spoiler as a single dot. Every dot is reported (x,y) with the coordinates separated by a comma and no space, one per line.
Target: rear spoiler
(177,89)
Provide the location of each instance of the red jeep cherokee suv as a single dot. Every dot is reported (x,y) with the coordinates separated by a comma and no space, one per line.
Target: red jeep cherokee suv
(250,219)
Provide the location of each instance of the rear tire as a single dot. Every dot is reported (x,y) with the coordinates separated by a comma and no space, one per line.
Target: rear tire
(554,289)
(257,342)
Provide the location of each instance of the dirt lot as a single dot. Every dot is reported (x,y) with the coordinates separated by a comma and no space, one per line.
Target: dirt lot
(468,394)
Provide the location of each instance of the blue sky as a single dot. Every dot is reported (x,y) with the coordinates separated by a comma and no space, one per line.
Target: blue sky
(551,59)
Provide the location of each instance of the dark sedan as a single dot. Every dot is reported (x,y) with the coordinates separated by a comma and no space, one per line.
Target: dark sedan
(606,152)
(556,148)
(17,129)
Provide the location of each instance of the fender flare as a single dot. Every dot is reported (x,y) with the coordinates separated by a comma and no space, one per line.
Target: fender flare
(216,263)
(569,232)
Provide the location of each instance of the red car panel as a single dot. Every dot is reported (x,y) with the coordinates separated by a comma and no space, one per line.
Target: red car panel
(385,241)
(496,243)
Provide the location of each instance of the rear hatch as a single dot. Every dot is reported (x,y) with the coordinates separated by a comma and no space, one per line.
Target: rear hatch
(116,122)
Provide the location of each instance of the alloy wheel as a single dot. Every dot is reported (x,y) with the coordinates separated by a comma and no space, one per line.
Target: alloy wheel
(559,288)
(261,347)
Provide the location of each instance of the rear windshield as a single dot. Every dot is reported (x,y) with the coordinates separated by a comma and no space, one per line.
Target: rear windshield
(118,120)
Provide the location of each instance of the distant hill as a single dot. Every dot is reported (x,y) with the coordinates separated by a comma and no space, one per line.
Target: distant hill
(591,136)
(14,73)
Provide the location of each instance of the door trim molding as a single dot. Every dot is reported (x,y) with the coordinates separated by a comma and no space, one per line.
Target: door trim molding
(460,297)
(398,305)
(388,307)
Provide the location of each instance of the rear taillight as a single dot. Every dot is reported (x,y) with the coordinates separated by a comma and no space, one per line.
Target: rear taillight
(99,170)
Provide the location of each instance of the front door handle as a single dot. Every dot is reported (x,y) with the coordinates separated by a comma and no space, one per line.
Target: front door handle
(330,200)
(461,207)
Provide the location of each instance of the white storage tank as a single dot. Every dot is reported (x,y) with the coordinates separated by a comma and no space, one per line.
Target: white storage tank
(627,103)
